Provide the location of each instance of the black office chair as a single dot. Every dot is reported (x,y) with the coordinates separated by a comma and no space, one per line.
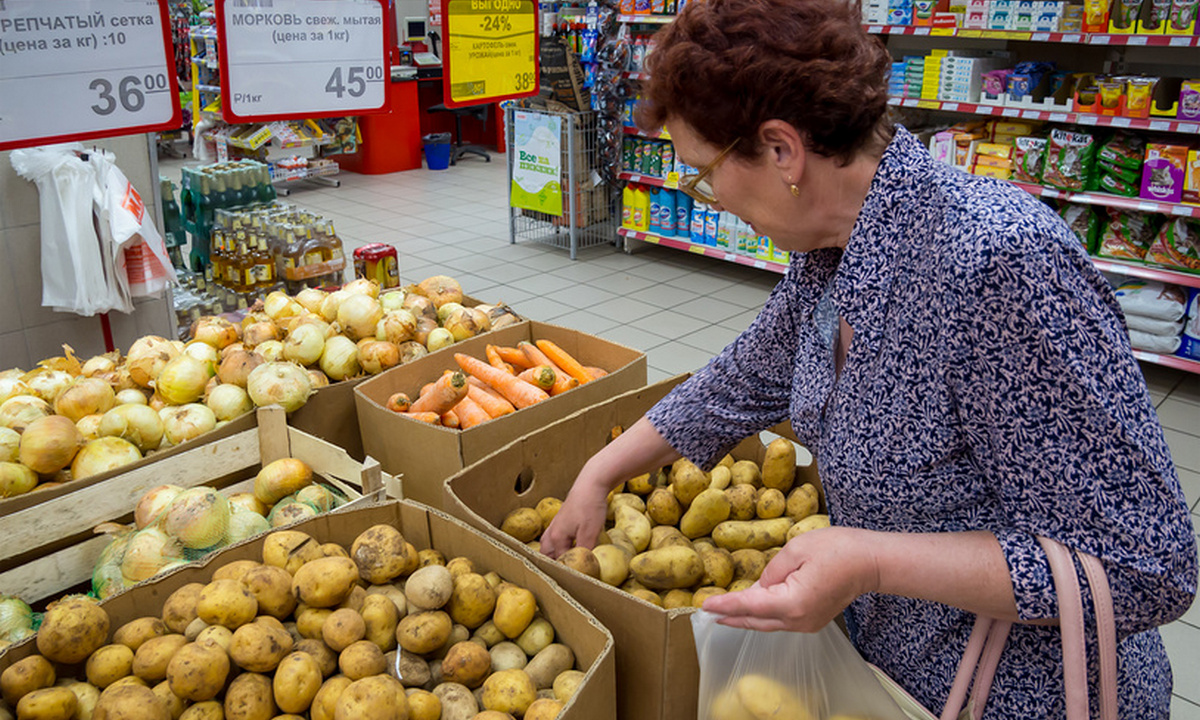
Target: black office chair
(479,112)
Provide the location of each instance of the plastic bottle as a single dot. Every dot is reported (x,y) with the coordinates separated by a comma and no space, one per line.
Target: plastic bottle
(656,210)
(667,154)
(627,202)
(683,214)
(712,219)
(666,216)
(641,214)
(726,228)
(696,231)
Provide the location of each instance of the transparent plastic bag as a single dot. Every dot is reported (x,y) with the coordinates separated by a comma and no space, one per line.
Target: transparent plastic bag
(750,675)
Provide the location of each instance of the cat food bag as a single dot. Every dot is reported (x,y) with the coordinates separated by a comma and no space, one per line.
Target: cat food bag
(1070,160)
(1128,235)
(1029,156)
(1177,245)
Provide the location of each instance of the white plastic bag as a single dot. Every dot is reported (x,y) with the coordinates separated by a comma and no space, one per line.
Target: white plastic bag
(139,254)
(750,675)
(1152,299)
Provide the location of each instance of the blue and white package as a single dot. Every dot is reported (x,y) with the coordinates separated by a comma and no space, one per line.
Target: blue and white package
(1190,345)
(683,214)
(666,210)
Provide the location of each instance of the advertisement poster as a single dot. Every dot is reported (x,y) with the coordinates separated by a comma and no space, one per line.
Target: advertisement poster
(537,166)
(491,51)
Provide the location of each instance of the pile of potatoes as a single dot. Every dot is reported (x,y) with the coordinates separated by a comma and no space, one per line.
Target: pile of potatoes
(681,535)
(378,632)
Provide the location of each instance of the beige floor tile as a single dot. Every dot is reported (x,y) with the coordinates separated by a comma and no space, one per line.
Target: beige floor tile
(1182,709)
(1190,480)
(1182,641)
(1185,451)
(1181,415)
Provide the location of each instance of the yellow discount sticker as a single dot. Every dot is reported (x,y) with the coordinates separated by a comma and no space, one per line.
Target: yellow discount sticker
(491,50)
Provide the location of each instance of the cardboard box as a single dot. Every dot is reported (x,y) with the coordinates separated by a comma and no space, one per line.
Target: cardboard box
(426,454)
(657,670)
(424,528)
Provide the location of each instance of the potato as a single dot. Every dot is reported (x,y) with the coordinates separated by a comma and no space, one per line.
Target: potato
(472,600)
(135,632)
(198,672)
(812,522)
(24,676)
(372,698)
(194,628)
(258,647)
(742,502)
(380,618)
(151,659)
(332,549)
(72,629)
(740,585)
(567,684)
(708,509)
(52,703)
(767,699)
(642,484)
(756,534)
(524,524)
(718,567)
(271,586)
(771,503)
(614,565)
(705,593)
(668,568)
(687,481)
(667,536)
(726,706)
(326,581)
(514,610)
(127,680)
(362,659)
(648,595)
(355,599)
(488,633)
(581,560)
(86,696)
(250,696)
(235,570)
(466,663)
(510,691)
(422,705)
(393,593)
(635,526)
(720,477)
(458,633)
(180,608)
(342,629)
(290,549)
(663,507)
(216,635)
(108,665)
(227,603)
(508,656)
(621,541)
(410,669)
(311,621)
(382,554)
(537,636)
(627,499)
(207,710)
(746,472)
(458,703)
(802,502)
(429,588)
(748,564)
(271,622)
(175,705)
(544,709)
(129,702)
(547,508)
(779,465)
(297,680)
(324,704)
(552,660)
(490,714)
(327,660)
(672,599)
(424,632)
(429,556)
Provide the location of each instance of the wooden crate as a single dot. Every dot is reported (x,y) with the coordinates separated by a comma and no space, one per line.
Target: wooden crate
(50,547)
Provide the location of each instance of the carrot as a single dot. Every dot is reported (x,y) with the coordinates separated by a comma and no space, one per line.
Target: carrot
(517,391)
(563,359)
(425,390)
(543,376)
(537,357)
(596,372)
(470,413)
(514,356)
(447,391)
(492,404)
(428,417)
(449,419)
(399,402)
(496,361)
(562,383)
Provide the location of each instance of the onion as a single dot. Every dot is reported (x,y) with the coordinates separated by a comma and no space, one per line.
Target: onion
(396,326)
(277,305)
(288,512)
(419,305)
(358,315)
(203,352)
(331,303)
(216,331)
(183,423)
(318,378)
(131,397)
(183,379)
(12,387)
(375,356)
(259,333)
(425,326)
(271,350)
(103,455)
(245,524)
(89,426)
(10,444)
(149,551)
(97,365)
(283,383)
(48,384)
(198,517)
(362,286)
(439,338)
(147,357)
(16,479)
(340,359)
(304,345)
(327,330)
(229,401)
(231,349)
(441,289)
(120,379)
(16,619)
(311,298)
(246,502)
(49,444)
(392,300)
(254,317)
(139,424)
(157,403)
(444,311)
(412,350)
(153,503)
(237,367)
(466,323)
(318,496)
(85,396)
(16,413)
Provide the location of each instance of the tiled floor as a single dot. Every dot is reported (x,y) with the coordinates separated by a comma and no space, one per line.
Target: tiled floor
(677,307)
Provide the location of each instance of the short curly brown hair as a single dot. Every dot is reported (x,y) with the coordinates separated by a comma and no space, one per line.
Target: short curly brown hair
(726,66)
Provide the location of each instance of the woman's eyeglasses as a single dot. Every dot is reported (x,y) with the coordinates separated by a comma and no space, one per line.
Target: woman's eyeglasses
(697,186)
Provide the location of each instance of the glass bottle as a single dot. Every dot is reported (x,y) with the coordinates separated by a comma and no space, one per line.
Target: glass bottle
(241,276)
(292,256)
(266,190)
(263,268)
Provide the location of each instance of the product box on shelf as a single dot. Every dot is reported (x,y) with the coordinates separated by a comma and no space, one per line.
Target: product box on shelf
(657,670)
(427,454)
(425,528)
(1191,178)
(50,548)
(1189,100)
(1163,172)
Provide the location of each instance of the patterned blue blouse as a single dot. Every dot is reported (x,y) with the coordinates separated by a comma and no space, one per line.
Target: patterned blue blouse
(989,385)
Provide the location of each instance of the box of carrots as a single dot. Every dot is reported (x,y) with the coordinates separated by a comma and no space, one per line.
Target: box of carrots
(428,419)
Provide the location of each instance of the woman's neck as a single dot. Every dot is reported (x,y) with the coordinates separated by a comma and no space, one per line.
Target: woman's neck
(834,195)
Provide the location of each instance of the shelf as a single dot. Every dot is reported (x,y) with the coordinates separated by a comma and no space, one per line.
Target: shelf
(286,176)
(646,19)
(1069,38)
(1146,272)
(1113,201)
(641,179)
(1171,361)
(1157,124)
(660,135)
(705,250)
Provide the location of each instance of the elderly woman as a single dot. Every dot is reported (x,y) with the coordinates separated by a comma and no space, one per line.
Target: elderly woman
(944,346)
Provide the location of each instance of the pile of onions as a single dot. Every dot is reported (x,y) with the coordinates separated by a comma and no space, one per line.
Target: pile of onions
(102,455)
(48,384)
(89,426)
(466,323)
(258,333)
(311,298)
(198,517)
(149,551)
(331,303)
(245,524)
(18,412)
(16,620)
(131,396)
(375,356)
(49,444)
(215,331)
(138,424)
(16,479)
(441,289)
(99,365)
(396,326)
(229,401)
(183,379)
(278,305)
(271,350)
(412,350)
(318,496)
(393,300)
(203,352)
(183,423)
(439,338)
(359,316)
(153,503)
(246,502)
(362,286)
(10,444)
(281,383)
(85,396)
(236,367)
(147,357)
(340,358)
(304,344)
(11,387)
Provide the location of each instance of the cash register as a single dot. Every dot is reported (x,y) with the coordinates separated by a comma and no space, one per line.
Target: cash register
(418,37)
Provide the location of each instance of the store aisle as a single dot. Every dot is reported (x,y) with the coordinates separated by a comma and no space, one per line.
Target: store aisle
(678,308)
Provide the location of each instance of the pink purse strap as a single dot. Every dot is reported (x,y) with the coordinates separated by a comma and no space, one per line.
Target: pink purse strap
(978,666)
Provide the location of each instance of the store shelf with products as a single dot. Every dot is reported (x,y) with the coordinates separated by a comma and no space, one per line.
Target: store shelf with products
(1070,38)
(1171,361)
(640,19)
(671,183)
(705,250)
(1113,201)
(1160,124)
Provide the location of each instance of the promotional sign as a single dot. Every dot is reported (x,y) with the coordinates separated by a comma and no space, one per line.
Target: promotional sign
(490,51)
(287,59)
(83,69)
(537,167)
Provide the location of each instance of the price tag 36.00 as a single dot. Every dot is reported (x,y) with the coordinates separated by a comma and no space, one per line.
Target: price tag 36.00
(81,69)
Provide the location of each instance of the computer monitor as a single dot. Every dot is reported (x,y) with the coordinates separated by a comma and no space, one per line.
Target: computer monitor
(415,28)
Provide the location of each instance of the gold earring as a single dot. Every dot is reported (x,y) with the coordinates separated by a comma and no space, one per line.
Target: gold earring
(795,190)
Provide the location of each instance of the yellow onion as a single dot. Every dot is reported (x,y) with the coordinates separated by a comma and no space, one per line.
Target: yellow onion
(439,338)
(304,345)
(396,326)
(288,512)
(49,444)
(139,424)
(466,323)
(419,305)
(245,524)
(185,422)
(254,317)
(10,444)
(237,367)
(17,412)
(271,350)
(102,455)
(340,358)
(120,379)
(318,496)
(229,401)
(318,378)
(85,396)
(149,551)
(131,396)
(157,403)
(198,517)
(48,384)
(98,364)
(280,478)
(375,356)
(246,502)
(358,316)
(259,333)
(11,374)
(212,383)
(183,379)
(331,303)
(412,350)
(16,479)
(444,311)
(327,330)
(153,503)
(231,349)
(392,300)
(216,331)
(12,387)
(311,298)
(89,426)
(282,383)
(425,326)
(147,357)
(362,286)
(441,289)
(203,352)
(277,305)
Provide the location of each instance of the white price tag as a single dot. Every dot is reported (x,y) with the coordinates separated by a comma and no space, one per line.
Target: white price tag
(1101,39)
(1071,38)
(760,264)
(1057,117)
(921,31)
(1149,207)
(950,106)
(1040,37)
(1160,125)
(1123,122)
(1181,41)
(1138,40)
(874,29)
(302,58)
(1187,128)
(80,69)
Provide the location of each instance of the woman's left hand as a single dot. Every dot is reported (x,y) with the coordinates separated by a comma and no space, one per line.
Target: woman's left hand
(808,583)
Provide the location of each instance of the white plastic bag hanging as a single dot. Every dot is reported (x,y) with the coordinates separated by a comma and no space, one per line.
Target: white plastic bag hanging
(142,266)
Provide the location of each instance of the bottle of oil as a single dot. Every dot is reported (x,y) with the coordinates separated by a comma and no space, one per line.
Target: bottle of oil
(263,269)
(315,249)
(333,242)
(241,277)
(292,254)
(217,255)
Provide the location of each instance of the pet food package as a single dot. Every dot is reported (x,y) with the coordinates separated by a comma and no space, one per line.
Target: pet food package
(1029,155)
(1083,221)
(750,674)
(1123,150)
(1070,160)
(1128,235)
(1189,341)
(1177,245)
(1162,174)
(1154,326)
(1152,299)
(1162,344)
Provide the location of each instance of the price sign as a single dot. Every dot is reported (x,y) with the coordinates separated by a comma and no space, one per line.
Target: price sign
(287,59)
(491,50)
(82,69)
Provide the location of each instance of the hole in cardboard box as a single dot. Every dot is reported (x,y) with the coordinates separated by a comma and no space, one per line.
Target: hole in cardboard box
(524,481)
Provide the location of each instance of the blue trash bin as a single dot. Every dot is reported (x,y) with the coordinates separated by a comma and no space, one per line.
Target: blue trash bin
(437,150)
